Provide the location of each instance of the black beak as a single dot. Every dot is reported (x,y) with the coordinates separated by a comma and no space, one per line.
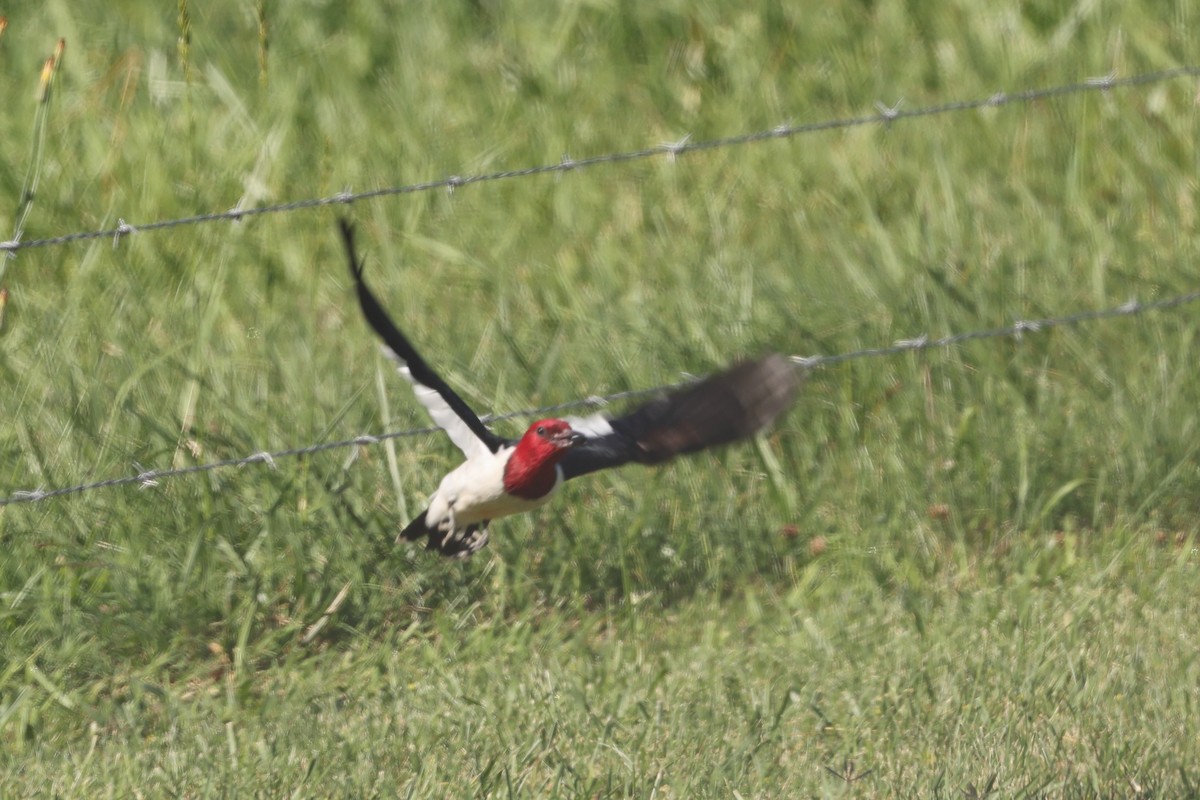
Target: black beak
(569,438)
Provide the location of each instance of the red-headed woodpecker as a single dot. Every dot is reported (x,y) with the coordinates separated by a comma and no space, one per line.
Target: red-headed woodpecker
(501,477)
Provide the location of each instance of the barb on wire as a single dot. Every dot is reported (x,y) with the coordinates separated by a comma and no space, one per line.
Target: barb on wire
(150,478)
(673,150)
(1015,331)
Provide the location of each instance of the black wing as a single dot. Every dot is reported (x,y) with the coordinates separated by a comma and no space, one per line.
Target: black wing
(449,411)
(722,408)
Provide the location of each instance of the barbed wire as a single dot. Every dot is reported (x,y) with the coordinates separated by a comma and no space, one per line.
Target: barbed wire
(885,114)
(1018,330)
(1014,331)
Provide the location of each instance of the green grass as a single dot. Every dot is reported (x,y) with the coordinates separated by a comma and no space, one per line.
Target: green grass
(940,575)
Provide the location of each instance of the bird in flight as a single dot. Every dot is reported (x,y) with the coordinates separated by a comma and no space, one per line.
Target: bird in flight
(501,477)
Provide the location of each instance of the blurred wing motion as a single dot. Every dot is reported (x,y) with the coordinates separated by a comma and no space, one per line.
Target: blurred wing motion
(720,409)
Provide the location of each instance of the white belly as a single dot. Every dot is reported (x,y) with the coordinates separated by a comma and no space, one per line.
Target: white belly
(474,492)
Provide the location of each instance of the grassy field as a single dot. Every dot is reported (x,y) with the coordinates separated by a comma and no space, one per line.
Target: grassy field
(963,573)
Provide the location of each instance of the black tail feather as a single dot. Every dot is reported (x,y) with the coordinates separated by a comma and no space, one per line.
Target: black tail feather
(415,529)
(453,544)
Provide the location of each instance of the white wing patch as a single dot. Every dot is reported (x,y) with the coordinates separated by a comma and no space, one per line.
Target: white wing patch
(593,426)
(440,412)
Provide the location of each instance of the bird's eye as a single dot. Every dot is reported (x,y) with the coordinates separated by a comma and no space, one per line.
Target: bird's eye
(541,431)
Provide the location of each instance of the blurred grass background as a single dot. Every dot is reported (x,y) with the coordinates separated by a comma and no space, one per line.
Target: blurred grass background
(954,573)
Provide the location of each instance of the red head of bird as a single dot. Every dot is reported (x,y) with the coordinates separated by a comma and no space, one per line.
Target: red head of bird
(531,470)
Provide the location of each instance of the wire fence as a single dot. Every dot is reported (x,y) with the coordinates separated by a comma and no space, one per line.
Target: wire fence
(1018,330)
(147,478)
(884,115)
